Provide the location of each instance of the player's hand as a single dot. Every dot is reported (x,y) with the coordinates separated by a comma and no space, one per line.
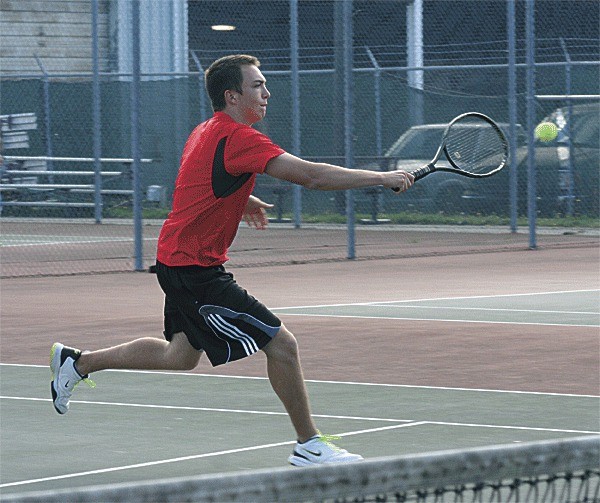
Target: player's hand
(255,214)
(399,180)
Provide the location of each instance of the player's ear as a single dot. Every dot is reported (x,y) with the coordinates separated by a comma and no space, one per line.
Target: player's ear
(230,97)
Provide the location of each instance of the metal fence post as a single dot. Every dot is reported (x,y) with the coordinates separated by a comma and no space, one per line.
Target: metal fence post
(377,92)
(348,122)
(512,113)
(531,172)
(569,126)
(47,116)
(295,87)
(135,135)
(202,92)
(97,134)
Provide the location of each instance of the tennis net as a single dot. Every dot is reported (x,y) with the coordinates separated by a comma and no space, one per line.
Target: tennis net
(566,470)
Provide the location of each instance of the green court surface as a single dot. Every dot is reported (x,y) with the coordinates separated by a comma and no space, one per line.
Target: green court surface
(144,426)
(572,308)
(139,426)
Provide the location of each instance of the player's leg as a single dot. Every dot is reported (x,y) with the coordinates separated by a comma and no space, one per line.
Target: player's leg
(287,380)
(147,353)
(70,366)
(229,324)
(180,350)
(150,353)
(286,377)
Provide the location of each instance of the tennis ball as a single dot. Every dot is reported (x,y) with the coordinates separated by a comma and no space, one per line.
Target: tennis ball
(546,131)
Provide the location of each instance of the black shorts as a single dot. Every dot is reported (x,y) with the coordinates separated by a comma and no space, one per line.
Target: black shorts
(215,313)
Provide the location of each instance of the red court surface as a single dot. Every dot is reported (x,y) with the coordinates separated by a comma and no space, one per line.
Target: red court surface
(94,311)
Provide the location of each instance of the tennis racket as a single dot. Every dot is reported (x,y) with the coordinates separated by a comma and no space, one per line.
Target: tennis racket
(473,144)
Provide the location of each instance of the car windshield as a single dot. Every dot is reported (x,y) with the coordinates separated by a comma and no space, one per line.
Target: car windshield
(421,142)
(586,130)
(585,127)
(417,143)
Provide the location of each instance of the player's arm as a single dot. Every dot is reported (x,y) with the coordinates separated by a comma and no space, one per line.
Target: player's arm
(323,176)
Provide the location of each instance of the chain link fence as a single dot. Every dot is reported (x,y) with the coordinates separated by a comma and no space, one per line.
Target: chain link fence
(67,195)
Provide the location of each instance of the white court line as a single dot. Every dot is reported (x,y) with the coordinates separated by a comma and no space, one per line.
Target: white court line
(530,294)
(254,448)
(85,241)
(408,422)
(525,428)
(433,320)
(206,409)
(318,381)
(189,458)
(450,308)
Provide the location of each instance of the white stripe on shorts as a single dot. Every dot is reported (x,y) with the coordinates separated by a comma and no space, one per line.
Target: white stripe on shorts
(231,331)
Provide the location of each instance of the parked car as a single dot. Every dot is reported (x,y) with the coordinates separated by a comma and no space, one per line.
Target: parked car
(567,170)
(441,191)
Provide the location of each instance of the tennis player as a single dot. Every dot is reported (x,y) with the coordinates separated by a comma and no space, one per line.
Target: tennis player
(205,310)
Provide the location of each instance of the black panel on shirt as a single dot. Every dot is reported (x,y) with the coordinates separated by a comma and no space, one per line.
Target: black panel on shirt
(224,184)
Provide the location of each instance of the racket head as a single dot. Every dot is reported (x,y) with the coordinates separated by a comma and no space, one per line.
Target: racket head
(475,145)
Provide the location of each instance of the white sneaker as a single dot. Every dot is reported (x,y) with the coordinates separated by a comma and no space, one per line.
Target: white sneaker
(319,450)
(64,376)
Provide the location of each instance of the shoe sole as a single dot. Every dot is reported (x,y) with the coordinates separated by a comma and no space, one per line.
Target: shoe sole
(296,461)
(55,355)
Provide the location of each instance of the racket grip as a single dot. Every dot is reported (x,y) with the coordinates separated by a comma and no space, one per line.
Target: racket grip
(423,171)
(419,173)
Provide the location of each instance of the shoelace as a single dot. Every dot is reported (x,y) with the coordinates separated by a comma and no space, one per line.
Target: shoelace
(328,440)
(86,380)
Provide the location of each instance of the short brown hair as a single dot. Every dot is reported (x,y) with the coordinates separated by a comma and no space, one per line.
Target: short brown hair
(226,73)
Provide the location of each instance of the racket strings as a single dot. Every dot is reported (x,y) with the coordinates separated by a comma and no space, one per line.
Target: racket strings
(475,146)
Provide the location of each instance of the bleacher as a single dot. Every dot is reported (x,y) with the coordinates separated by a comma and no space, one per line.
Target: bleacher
(14,130)
(29,181)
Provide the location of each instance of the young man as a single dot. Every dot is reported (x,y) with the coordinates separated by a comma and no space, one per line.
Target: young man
(205,309)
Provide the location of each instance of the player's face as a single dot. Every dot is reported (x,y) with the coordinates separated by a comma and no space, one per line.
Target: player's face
(253,100)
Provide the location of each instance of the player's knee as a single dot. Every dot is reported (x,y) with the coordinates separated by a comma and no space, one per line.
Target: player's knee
(283,346)
(189,361)
(182,355)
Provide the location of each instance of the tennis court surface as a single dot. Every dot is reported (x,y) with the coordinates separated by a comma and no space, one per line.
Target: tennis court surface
(404,356)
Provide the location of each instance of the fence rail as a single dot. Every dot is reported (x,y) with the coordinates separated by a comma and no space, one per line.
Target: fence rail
(24,184)
(346,84)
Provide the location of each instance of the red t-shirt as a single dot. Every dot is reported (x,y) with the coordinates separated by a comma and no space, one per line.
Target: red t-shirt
(219,164)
